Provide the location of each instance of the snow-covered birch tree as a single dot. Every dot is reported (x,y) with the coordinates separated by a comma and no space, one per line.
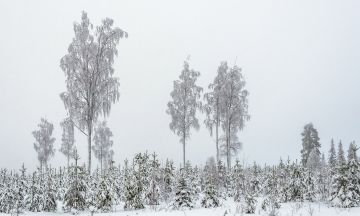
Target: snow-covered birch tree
(184,104)
(44,142)
(234,105)
(102,144)
(67,139)
(91,87)
(212,106)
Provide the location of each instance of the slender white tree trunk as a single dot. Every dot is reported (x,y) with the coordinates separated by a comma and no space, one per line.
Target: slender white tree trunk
(68,162)
(101,161)
(217,142)
(89,146)
(228,140)
(184,142)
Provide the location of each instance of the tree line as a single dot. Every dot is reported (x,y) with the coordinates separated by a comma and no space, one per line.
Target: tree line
(146,182)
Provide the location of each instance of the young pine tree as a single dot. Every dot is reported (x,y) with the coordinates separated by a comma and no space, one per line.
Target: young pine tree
(75,196)
(271,202)
(8,196)
(339,189)
(49,194)
(133,192)
(168,180)
(250,203)
(211,197)
(34,200)
(309,186)
(353,186)
(238,181)
(183,197)
(103,196)
(153,193)
(296,186)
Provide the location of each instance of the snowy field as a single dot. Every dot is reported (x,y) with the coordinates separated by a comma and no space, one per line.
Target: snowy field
(228,208)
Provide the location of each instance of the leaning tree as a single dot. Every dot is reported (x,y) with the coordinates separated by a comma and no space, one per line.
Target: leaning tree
(91,88)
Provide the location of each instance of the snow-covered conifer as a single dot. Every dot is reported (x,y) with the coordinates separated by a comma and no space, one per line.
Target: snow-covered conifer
(104,198)
(223,185)
(49,194)
(341,155)
(310,141)
(238,179)
(296,185)
(352,151)
(168,180)
(271,202)
(323,183)
(35,201)
(353,186)
(309,186)
(339,188)
(254,181)
(75,196)
(183,197)
(113,180)
(133,185)
(313,161)
(332,155)
(9,196)
(250,203)
(283,176)
(153,192)
(211,197)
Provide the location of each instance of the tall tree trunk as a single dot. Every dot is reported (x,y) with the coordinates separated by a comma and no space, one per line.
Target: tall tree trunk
(228,140)
(184,150)
(68,159)
(217,142)
(101,162)
(89,146)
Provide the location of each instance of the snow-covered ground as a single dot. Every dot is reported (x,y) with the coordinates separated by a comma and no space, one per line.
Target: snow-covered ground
(228,208)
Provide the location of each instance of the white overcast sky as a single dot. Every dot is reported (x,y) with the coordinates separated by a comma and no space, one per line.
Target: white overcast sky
(300,59)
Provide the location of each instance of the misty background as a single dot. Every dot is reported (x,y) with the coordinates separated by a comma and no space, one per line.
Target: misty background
(300,60)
